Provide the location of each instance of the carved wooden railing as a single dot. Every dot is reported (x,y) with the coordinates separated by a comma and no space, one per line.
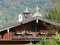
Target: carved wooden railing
(29,35)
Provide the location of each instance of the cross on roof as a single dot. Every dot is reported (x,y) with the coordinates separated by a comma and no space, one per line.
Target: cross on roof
(37,12)
(26,10)
(37,9)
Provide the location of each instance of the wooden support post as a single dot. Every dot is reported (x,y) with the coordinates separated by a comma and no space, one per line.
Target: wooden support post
(37,20)
(8,32)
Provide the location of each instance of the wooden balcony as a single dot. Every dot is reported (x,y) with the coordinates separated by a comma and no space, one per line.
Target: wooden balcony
(33,36)
(27,36)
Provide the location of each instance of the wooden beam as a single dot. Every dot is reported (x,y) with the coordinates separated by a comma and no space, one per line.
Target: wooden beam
(37,20)
(8,30)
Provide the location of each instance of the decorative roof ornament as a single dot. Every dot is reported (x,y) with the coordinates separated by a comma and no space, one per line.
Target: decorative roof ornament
(20,18)
(26,10)
(26,13)
(37,9)
(37,12)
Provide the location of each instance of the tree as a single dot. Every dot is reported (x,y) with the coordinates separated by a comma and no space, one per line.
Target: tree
(1,22)
(54,15)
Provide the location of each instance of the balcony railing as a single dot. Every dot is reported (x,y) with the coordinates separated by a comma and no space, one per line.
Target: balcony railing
(26,36)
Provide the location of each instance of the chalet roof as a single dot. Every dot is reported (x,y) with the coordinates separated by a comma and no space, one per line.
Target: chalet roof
(29,20)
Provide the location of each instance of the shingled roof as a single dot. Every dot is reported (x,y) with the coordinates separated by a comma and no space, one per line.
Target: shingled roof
(29,20)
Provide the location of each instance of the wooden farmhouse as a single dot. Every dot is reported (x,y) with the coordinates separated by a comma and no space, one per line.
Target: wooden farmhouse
(31,28)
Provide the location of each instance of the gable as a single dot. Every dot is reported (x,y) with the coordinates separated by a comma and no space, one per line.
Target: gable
(29,20)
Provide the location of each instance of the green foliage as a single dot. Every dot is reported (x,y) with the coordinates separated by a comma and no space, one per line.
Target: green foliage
(30,44)
(54,15)
(52,42)
(47,42)
(55,41)
(38,44)
(1,22)
(57,38)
